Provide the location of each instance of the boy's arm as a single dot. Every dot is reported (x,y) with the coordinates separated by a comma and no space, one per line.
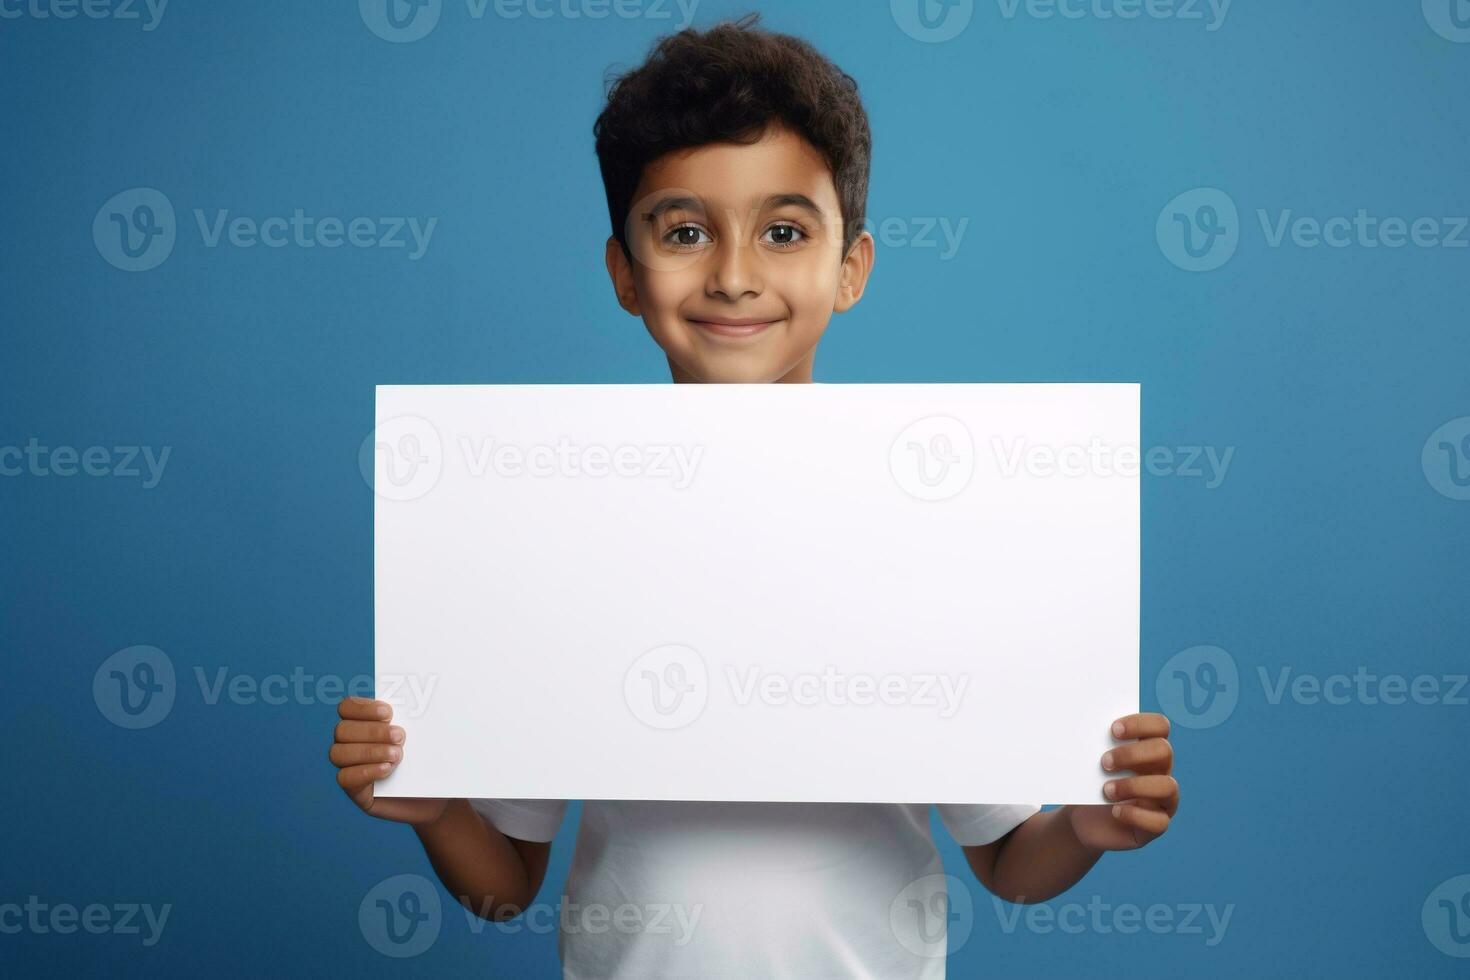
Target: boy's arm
(1051,851)
(492,874)
(1038,860)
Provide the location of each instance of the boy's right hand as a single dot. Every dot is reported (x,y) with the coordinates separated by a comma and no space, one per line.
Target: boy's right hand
(365,748)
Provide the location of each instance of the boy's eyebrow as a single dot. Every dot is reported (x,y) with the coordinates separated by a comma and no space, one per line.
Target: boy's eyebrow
(674,204)
(798,200)
(684,203)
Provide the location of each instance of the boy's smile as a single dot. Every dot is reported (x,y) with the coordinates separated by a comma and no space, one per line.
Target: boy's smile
(737,258)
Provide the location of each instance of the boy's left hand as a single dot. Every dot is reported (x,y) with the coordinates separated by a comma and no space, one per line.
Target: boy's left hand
(1145,801)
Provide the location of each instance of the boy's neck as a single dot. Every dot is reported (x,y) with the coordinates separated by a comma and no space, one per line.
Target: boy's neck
(800,373)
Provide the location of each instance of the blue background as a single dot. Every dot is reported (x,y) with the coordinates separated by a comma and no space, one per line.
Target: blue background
(1324,549)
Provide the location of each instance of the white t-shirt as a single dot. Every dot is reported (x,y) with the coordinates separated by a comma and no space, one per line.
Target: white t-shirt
(710,890)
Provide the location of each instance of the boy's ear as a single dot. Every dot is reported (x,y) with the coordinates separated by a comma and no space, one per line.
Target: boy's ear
(855,271)
(620,270)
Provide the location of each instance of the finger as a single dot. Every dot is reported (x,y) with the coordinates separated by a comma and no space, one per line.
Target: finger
(1152,755)
(1165,789)
(368,731)
(354,778)
(364,709)
(363,753)
(1148,724)
(1146,819)
(407,809)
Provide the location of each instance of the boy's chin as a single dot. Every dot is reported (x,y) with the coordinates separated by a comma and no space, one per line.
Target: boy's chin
(731,369)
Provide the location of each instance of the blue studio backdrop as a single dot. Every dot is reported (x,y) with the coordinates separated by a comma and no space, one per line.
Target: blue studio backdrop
(1256,209)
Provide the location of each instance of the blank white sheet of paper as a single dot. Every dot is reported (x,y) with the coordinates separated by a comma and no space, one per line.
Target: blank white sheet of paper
(920,593)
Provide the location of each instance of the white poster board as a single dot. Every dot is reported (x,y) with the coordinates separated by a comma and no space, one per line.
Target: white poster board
(791,592)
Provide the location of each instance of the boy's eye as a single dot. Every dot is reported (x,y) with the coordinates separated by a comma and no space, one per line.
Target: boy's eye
(686,236)
(783,236)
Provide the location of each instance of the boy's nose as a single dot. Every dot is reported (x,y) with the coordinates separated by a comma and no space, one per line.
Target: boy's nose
(735,273)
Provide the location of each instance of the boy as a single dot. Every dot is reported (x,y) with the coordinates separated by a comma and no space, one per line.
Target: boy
(736,168)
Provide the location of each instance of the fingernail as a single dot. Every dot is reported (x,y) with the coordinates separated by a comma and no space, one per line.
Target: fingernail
(1110,790)
(395,733)
(382,710)
(1118,729)
(384,766)
(1107,760)
(394,754)
(1118,810)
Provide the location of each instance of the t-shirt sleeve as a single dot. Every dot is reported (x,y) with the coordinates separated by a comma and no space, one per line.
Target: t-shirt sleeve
(972,824)
(533,820)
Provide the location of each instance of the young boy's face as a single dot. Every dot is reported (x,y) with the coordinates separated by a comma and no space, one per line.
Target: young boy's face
(737,259)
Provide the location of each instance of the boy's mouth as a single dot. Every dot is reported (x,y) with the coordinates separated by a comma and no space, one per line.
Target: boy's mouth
(733,326)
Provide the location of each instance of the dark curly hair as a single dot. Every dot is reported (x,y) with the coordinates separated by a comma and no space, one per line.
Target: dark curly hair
(727,84)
